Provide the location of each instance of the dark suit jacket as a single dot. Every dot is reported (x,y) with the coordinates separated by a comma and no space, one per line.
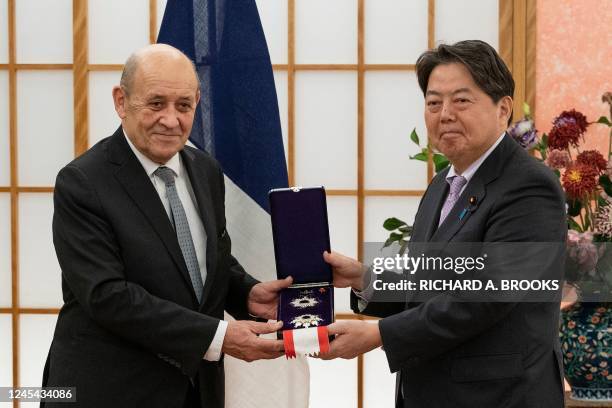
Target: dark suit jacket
(131,332)
(485,355)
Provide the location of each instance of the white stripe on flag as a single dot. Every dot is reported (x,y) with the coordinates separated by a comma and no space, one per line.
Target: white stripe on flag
(278,383)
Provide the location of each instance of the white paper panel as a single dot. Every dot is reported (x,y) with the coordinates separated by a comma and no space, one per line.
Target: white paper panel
(333,383)
(393,107)
(5,163)
(467,20)
(35,340)
(379,383)
(43,31)
(5,251)
(273,15)
(378,209)
(280,81)
(114,35)
(6,351)
(342,218)
(103,119)
(396,31)
(326,31)
(326,129)
(39,271)
(4,32)
(45,125)
(161,7)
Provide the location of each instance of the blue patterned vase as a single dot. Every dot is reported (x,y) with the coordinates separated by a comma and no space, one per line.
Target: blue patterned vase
(586,343)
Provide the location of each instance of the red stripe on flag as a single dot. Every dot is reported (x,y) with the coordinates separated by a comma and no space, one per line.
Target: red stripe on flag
(323,339)
(289,346)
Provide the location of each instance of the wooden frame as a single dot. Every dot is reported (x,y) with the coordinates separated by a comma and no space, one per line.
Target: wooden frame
(517,19)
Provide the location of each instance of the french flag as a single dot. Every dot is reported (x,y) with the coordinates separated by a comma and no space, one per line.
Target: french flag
(237,121)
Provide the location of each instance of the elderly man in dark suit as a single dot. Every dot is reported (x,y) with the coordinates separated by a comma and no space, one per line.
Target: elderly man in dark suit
(468,354)
(147,270)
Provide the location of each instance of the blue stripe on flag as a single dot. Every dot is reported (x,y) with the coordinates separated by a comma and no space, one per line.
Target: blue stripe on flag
(237,120)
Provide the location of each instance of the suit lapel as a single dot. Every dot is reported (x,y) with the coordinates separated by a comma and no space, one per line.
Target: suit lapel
(432,204)
(466,205)
(132,176)
(475,191)
(201,190)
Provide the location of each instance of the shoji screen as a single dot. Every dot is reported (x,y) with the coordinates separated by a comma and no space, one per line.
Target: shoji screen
(348,100)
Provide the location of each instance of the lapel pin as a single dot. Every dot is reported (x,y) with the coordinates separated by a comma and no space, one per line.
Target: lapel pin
(473,200)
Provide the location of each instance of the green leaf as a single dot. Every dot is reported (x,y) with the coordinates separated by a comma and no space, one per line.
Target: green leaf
(606,183)
(601,202)
(545,141)
(405,228)
(557,172)
(393,223)
(604,121)
(419,156)
(587,223)
(526,109)
(440,162)
(573,208)
(574,225)
(393,237)
(414,137)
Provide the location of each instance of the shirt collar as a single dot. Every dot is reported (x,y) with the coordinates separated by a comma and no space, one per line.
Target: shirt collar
(471,170)
(149,165)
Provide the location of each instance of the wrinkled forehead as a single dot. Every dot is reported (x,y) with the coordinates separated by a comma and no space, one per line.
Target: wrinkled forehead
(166,77)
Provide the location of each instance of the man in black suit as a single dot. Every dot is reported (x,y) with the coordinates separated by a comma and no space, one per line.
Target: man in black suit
(147,270)
(468,354)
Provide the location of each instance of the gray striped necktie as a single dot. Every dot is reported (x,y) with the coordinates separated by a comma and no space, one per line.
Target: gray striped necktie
(182,230)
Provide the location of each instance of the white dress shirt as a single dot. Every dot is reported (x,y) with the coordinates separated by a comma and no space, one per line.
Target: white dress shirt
(364,296)
(196,227)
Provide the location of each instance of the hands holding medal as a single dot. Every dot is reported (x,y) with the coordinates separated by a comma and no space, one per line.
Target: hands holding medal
(353,337)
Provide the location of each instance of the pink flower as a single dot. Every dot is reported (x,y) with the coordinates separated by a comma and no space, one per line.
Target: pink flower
(581,249)
(558,159)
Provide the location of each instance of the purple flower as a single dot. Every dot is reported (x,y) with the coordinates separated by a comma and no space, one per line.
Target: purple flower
(524,133)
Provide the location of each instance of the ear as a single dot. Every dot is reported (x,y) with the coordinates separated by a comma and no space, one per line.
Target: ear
(505,106)
(119,98)
(197,96)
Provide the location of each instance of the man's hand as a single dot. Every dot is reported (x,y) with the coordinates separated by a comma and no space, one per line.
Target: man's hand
(241,340)
(347,271)
(263,297)
(353,338)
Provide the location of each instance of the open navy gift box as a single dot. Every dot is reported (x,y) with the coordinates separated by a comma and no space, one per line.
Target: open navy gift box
(301,235)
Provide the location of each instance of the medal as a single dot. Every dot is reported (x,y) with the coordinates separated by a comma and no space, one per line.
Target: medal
(304,302)
(306,320)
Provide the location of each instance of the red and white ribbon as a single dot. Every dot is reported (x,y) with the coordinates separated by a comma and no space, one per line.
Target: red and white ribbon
(311,341)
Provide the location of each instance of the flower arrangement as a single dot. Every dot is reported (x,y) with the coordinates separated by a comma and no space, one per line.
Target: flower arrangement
(586,178)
